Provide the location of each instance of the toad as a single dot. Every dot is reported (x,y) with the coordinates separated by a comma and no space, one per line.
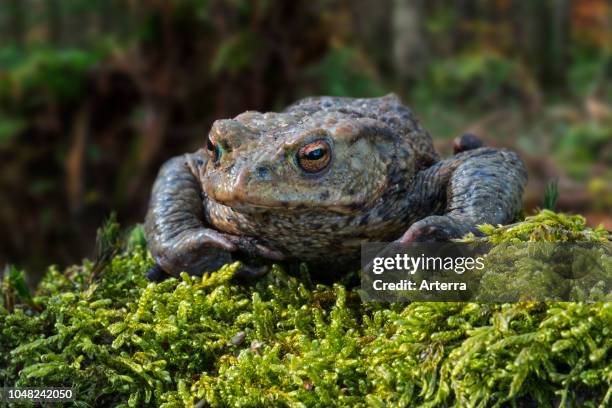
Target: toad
(315,181)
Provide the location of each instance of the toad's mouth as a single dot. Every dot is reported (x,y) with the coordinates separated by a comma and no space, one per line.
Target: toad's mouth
(241,194)
(258,205)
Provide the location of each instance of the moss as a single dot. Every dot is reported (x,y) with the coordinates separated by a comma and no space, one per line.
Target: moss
(285,341)
(540,260)
(546,226)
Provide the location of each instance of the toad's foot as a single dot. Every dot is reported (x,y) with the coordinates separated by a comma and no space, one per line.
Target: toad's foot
(465,142)
(436,228)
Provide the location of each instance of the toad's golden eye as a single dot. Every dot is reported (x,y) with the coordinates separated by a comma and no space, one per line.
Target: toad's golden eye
(314,157)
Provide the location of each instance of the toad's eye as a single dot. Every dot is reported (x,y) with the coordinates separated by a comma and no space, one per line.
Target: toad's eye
(314,157)
(213,150)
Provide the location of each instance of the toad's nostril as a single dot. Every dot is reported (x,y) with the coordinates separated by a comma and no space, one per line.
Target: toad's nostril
(263,173)
(231,134)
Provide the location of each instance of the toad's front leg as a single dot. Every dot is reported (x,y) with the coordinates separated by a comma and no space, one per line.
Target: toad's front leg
(176,230)
(480,186)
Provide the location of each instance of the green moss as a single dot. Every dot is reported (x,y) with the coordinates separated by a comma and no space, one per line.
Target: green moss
(539,267)
(284,341)
(546,226)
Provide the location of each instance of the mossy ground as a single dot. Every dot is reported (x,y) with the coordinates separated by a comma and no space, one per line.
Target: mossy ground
(283,340)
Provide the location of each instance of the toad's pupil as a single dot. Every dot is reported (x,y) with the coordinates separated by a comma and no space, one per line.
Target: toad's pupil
(209,145)
(316,154)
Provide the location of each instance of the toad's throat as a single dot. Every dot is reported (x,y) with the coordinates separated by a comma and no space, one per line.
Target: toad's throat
(310,234)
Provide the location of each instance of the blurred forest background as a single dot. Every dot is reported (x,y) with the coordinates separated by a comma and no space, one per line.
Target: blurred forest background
(95,95)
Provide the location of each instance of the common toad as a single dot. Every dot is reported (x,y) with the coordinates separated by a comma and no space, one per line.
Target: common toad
(313,182)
